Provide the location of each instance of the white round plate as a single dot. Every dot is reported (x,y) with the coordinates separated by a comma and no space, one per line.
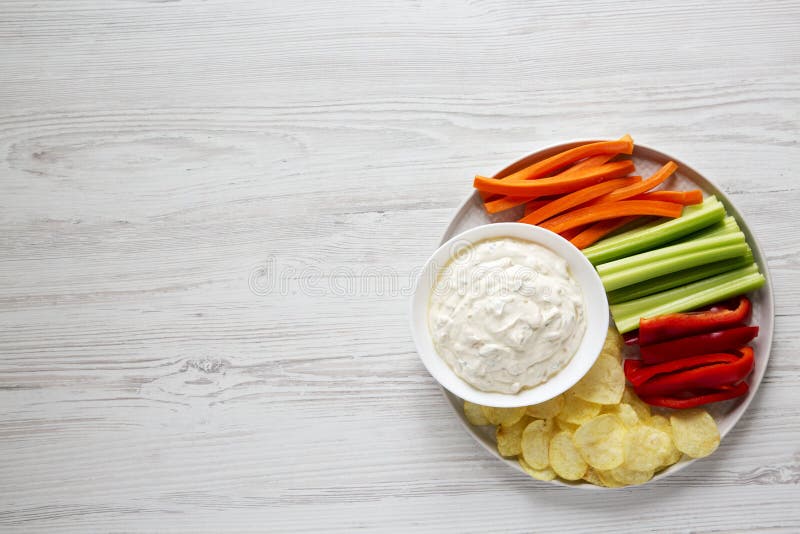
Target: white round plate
(647,160)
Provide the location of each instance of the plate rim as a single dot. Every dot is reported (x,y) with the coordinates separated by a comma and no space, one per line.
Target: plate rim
(766,337)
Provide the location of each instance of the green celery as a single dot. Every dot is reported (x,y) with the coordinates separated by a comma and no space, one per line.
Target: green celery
(679,250)
(725,226)
(672,264)
(694,218)
(686,276)
(688,297)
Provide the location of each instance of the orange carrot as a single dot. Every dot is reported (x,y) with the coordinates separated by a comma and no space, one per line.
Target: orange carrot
(687,198)
(577,198)
(542,168)
(495,204)
(505,203)
(555,184)
(626,192)
(611,210)
(572,232)
(533,205)
(599,230)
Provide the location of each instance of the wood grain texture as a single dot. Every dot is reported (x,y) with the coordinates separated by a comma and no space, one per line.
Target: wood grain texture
(161,163)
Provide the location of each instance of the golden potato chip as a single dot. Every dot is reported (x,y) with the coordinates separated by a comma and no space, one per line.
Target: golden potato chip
(603,384)
(503,416)
(509,438)
(695,432)
(577,410)
(592,477)
(474,414)
(547,474)
(629,477)
(536,444)
(600,442)
(546,409)
(642,409)
(566,427)
(607,480)
(646,449)
(662,423)
(625,412)
(565,459)
(613,344)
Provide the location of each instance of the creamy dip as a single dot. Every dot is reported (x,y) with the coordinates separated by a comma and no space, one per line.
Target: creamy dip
(505,314)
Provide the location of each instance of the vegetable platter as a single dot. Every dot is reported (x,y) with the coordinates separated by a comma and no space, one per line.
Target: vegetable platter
(593,198)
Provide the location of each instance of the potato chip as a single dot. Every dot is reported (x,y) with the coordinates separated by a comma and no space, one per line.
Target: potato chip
(547,409)
(603,384)
(509,438)
(566,427)
(592,477)
(503,416)
(613,344)
(630,477)
(695,432)
(607,480)
(547,474)
(646,449)
(536,443)
(577,410)
(565,459)
(662,423)
(474,414)
(625,412)
(630,397)
(600,442)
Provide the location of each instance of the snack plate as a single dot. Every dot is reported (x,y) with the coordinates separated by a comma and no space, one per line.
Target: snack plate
(647,160)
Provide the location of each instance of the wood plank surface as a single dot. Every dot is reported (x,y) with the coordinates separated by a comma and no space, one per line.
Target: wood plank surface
(212,213)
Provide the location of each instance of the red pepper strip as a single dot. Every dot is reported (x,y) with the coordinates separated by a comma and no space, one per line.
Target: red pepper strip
(722,340)
(638,373)
(664,327)
(710,376)
(722,394)
(631,338)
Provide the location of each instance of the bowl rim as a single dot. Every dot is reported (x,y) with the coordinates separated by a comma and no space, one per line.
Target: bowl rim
(595,305)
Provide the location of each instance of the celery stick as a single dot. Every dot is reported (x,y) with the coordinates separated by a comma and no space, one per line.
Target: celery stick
(693,219)
(686,276)
(636,306)
(688,297)
(671,264)
(673,251)
(725,226)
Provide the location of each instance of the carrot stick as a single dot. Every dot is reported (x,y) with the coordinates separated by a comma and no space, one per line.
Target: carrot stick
(533,205)
(599,230)
(505,203)
(577,198)
(542,168)
(686,198)
(572,232)
(496,204)
(611,210)
(626,192)
(555,184)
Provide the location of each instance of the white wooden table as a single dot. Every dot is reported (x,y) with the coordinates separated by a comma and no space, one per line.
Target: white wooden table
(161,162)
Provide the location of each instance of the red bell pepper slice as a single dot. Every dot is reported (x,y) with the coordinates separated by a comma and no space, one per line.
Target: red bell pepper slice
(721,394)
(638,373)
(631,338)
(719,341)
(674,325)
(711,376)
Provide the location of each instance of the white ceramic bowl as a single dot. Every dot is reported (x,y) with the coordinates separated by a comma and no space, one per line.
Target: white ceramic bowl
(594,297)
